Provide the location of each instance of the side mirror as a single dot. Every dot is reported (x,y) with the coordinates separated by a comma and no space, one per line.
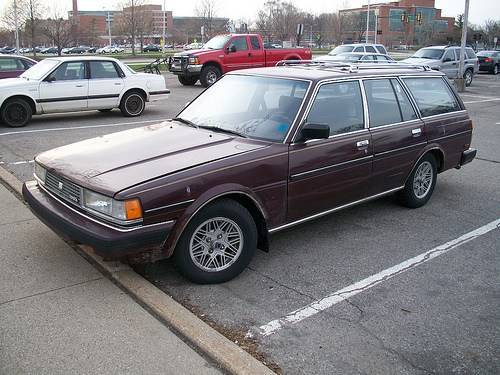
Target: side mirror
(314,131)
(447,60)
(231,49)
(50,79)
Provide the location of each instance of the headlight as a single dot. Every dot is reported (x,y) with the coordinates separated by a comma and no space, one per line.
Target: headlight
(193,61)
(114,209)
(40,172)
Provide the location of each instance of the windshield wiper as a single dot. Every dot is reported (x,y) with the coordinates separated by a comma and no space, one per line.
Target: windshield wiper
(186,122)
(222,130)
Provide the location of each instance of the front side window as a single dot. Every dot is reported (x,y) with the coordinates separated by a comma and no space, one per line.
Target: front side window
(381,49)
(370,49)
(257,107)
(240,43)
(433,96)
(449,55)
(359,49)
(103,69)
(340,106)
(470,53)
(69,71)
(369,58)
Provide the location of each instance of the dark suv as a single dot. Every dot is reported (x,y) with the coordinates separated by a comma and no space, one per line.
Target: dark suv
(283,145)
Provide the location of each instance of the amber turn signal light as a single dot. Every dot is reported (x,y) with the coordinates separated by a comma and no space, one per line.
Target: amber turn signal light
(133,209)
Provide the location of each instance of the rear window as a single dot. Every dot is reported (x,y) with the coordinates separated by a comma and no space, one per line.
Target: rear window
(433,96)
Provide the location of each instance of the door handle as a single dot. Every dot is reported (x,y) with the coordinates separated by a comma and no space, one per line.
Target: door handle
(249,54)
(363,143)
(416,132)
(118,84)
(79,86)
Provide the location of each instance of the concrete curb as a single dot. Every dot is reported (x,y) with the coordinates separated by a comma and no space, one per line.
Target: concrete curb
(207,340)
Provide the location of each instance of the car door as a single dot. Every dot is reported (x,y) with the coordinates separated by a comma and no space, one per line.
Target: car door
(328,173)
(398,135)
(105,84)
(237,54)
(65,89)
(449,65)
(257,53)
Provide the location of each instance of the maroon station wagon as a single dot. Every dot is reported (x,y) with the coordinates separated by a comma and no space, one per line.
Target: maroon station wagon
(13,66)
(259,151)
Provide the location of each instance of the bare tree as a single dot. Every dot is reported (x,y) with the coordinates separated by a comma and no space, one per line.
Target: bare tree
(206,10)
(129,20)
(58,30)
(33,12)
(144,24)
(491,29)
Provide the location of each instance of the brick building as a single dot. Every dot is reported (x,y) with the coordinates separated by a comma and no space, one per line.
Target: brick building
(397,23)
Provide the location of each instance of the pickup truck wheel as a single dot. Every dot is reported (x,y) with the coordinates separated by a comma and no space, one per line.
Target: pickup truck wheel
(420,184)
(209,75)
(16,113)
(468,75)
(132,104)
(217,244)
(187,81)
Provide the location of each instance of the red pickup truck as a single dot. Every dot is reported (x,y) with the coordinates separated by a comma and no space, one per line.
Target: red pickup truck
(225,53)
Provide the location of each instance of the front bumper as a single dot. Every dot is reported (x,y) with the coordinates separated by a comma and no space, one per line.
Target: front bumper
(108,241)
(181,67)
(468,156)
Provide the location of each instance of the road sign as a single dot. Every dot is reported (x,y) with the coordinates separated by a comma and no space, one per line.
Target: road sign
(300,29)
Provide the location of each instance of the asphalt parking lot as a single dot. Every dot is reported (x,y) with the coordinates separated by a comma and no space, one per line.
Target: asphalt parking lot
(375,289)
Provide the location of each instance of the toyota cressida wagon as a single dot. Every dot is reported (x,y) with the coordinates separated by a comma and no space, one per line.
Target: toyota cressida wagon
(260,151)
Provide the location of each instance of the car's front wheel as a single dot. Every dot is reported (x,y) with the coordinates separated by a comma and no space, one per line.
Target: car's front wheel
(132,104)
(209,75)
(217,244)
(16,113)
(420,184)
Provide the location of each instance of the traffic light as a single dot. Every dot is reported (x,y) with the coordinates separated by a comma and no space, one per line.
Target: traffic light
(419,18)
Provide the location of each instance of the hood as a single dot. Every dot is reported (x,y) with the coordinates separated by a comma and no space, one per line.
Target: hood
(196,52)
(420,61)
(114,162)
(14,82)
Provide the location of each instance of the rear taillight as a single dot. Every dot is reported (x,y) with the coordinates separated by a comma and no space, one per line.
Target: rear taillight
(487,59)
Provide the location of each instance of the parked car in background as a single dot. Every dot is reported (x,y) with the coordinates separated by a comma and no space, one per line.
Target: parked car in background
(13,66)
(225,53)
(64,84)
(446,59)
(357,57)
(8,50)
(50,50)
(152,48)
(92,50)
(110,49)
(209,186)
(76,50)
(358,47)
(489,61)
(191,46)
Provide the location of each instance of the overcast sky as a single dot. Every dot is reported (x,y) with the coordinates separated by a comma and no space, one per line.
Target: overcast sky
(480,10)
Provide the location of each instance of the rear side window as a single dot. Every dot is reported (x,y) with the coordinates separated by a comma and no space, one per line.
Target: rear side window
(433,96)
(10,64)
(102,69)
(381,49)
(383,106)
(407,111)
(254,41)
(340,106)
(370,49)
(470,53)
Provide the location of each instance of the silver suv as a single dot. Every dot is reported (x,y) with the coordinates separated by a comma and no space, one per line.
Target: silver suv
(446,59)
(358,47)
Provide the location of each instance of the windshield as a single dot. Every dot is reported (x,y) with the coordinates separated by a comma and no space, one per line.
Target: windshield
(37,71)
(340,49)
(217,42)
(256,107)
(429,53)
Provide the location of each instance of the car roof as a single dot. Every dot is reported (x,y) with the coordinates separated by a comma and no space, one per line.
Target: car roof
(81,58)
(317,71)
(360,44)
(362,53)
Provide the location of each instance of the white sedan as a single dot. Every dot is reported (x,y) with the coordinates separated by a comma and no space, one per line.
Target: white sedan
(67,84)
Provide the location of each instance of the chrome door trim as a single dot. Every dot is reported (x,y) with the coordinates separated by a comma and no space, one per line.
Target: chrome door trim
(318,215)
(330,166)
(169,206)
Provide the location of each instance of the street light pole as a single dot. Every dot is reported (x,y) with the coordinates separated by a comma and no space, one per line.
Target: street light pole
(367,20)
(16,23)
(462,47)
(163,44)
(109,28)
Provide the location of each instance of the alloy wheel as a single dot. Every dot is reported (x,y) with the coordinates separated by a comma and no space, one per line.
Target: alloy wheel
(422,180)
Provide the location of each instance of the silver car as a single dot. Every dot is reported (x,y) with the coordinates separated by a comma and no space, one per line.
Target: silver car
(446,59)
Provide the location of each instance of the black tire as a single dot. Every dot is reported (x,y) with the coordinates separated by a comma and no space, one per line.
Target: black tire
(468,77)
(408,196)
(105,110)
(495,69)
(209,74)
(228,210)
(187,81)
(132,104)
(16,113)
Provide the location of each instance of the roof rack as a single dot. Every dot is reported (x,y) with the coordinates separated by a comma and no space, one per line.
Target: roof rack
(352,67)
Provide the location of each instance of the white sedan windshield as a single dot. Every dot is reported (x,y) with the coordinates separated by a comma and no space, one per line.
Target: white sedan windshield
(256,107)
(39,70)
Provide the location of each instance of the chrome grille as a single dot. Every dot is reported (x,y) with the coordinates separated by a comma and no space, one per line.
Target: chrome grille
(63,188)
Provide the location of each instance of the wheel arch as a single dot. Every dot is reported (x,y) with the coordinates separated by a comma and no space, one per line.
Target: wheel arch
(135,89)
(239,194)
(213,63)
(435,151)
(28,98)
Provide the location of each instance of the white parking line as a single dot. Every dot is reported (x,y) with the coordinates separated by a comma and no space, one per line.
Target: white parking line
(371,281)
(81,127)
(483,101)
(477,96)
(16,162)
